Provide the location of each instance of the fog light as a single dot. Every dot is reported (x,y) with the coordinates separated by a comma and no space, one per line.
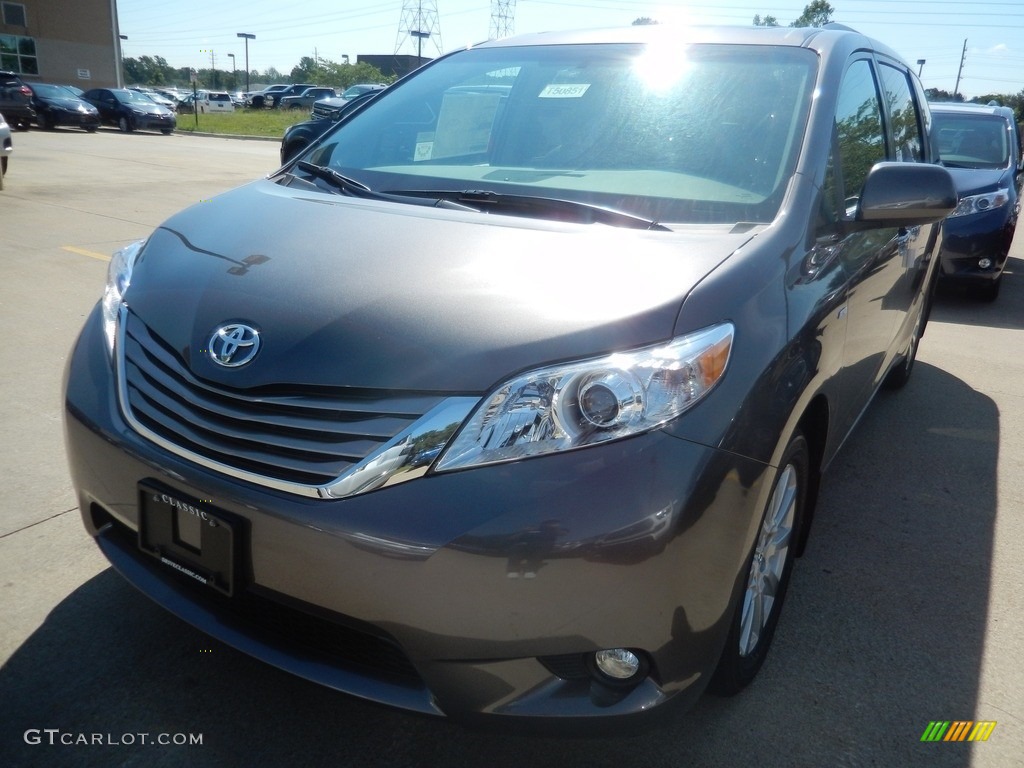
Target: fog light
(617,663)
(985,263)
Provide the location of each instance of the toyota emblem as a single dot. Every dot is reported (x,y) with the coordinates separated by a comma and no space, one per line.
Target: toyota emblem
(234,345)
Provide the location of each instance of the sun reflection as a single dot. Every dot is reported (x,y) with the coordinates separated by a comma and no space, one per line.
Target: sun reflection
(663,65)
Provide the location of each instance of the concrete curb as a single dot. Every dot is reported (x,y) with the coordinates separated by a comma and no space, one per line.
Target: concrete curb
(181,132)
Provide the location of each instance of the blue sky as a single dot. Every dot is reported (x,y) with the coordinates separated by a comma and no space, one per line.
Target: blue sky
(184,32)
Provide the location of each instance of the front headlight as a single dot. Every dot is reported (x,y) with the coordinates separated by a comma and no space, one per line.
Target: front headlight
(573,405)
(139,112)
(986,201)
(119,276)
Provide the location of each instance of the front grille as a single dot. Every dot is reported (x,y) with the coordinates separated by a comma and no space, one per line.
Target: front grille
(294,434)
(322,113)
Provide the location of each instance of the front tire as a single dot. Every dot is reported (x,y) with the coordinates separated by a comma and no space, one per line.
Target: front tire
(124,124)
(989,291)
(898,377)
(768,570)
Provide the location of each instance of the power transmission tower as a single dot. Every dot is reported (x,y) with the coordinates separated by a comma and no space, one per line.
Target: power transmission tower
(503,18)
(419,22)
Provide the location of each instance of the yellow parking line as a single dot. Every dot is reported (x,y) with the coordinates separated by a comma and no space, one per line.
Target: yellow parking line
(83,252)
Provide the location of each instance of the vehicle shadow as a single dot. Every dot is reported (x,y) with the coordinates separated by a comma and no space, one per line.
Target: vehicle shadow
(883,632)
(958,305)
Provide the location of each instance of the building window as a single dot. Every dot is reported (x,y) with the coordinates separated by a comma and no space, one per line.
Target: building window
(18,54)
(14,15)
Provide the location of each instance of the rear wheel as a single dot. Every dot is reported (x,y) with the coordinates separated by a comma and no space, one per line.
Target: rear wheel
(768,571)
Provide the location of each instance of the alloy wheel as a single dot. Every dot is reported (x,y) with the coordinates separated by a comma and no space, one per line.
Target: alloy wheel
(769,562)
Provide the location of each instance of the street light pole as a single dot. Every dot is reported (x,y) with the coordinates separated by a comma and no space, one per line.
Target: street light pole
(920,67)
(234,72)
(247,37)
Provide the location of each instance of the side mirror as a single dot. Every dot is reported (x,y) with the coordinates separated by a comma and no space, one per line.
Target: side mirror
(906,195)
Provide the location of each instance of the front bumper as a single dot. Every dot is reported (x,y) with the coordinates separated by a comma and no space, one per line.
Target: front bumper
(155,122)
(76,119)
(472,593)
(968,239)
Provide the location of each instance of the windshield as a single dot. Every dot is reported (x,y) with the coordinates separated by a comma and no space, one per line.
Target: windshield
(52,91)
(133,97)
(972,141)
(708,133)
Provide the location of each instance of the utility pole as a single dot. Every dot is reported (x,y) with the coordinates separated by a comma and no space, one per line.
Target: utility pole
(963,55)
(213,66)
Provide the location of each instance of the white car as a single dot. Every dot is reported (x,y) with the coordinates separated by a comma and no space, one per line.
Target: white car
(214,101)
(6,148)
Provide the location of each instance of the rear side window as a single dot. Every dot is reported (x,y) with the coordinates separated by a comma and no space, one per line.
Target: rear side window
(860,138)
(903,111)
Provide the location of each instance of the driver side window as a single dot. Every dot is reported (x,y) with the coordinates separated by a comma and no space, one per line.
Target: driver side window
(859,137)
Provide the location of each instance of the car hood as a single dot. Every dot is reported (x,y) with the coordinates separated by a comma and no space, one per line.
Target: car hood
(970,181)
(348,292)
(73,105)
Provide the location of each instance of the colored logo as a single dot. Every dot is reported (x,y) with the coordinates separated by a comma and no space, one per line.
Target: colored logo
(958,730)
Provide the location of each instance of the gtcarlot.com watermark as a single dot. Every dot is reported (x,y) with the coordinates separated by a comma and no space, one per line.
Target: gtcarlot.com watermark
(55,737)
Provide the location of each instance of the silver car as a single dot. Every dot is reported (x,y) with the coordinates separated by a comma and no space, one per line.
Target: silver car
(517,402)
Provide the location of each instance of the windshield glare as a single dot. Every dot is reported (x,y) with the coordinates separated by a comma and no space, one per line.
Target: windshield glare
(972,141)
(709,133)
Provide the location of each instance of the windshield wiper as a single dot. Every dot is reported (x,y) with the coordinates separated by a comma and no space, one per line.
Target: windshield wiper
(355,188)
(530,205)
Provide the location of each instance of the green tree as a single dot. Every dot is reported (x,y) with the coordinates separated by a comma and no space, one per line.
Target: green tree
(147,70)
(766,21)
(306,71)
(818,13)
(937,94)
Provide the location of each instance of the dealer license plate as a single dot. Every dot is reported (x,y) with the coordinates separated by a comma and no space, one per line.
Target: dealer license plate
(189,536)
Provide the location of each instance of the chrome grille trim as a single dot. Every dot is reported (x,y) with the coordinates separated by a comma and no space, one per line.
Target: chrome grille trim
(352,446)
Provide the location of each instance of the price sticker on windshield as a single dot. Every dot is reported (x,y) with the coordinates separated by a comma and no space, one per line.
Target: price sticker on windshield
(564,90)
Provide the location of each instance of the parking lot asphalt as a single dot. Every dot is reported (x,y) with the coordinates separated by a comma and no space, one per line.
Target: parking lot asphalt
(907,608)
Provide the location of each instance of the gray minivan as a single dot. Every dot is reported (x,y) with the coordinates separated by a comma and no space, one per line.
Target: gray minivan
(522,407)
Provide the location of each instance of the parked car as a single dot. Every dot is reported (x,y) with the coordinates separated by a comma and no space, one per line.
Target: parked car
(6,148)
(265,98)
(328,108)
(16,100)
(130,110)
(238,98)
(157,97)
(187,104)
(214,101)
(271,95)
(981,146)
(56,105)
(305,99)
(539,434)
(299,136)
(275,99)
